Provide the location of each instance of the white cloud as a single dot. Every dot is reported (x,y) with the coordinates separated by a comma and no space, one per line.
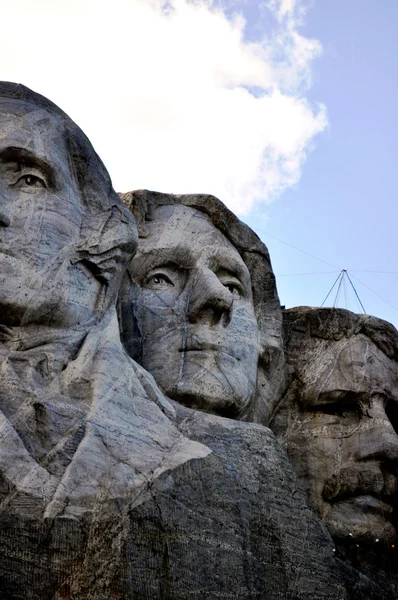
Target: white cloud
(283,8)
(171,93)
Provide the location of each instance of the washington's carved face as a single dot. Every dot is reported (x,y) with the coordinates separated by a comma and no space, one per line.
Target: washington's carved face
(40,217)
(343,438)
(193,313)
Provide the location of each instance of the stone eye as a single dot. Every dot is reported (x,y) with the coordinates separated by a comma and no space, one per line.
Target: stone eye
(158,281)
(31,181)
(234,288)
(232,283)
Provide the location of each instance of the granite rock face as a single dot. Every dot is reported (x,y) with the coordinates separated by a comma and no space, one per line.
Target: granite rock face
(199,307)
(338,423)
(234,524)
(143,470)
(75,412)
(68,441)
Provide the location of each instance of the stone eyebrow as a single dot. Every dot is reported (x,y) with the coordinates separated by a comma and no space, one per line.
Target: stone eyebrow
(180,257)
(27,158)
(230,264)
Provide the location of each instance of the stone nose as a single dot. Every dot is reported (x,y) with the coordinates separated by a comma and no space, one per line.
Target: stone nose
(385,446)
(209,299)
(378,437)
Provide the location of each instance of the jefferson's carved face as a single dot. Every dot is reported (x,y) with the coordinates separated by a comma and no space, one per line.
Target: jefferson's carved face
(40,217)
(342,439)
(193,313)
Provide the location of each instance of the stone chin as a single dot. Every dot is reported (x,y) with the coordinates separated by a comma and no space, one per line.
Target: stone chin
(205,387)
(366,518)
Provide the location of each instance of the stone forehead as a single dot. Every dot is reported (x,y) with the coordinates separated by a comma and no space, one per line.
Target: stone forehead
(92,176)
(34,126)
(142,203)
(312,325)
(22,118)
(17,92)
(173,226)
(35,130)
(254,253)
(348,360)
(16,107)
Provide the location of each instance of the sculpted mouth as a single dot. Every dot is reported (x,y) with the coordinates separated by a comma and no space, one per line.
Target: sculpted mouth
(369,503)
(207,348)
(201,348)
(365,486)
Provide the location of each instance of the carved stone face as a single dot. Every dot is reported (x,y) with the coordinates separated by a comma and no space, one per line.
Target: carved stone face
(342,439)
(193,313)
(40,218)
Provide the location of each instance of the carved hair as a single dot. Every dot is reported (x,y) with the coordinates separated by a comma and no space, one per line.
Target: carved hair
(335,324)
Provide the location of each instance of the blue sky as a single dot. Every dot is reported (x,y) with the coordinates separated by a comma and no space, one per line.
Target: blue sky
(284,109)
(344,208)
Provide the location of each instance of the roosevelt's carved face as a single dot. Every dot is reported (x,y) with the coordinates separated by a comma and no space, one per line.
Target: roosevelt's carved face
(40,220)
(342,437)
(193,313)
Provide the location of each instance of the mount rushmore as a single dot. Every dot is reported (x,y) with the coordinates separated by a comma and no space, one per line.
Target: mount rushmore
(167,431)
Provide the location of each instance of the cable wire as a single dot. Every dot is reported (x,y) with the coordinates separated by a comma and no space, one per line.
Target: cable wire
(338,277)
(353,287)
(383,272)
(295,248)
(375,293)
(335,267)
(336,299)
(297,274)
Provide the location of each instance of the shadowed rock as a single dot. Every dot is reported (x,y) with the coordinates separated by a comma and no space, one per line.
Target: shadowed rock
(338,423)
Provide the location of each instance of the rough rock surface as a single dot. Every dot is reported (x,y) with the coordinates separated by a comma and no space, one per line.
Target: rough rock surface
(338,422)
(76,413)
(232,525)
(81,425)
(108,488)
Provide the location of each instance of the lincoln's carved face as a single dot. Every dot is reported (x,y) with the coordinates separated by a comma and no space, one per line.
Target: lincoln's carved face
(193,313)
(40,220)
(342,437)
